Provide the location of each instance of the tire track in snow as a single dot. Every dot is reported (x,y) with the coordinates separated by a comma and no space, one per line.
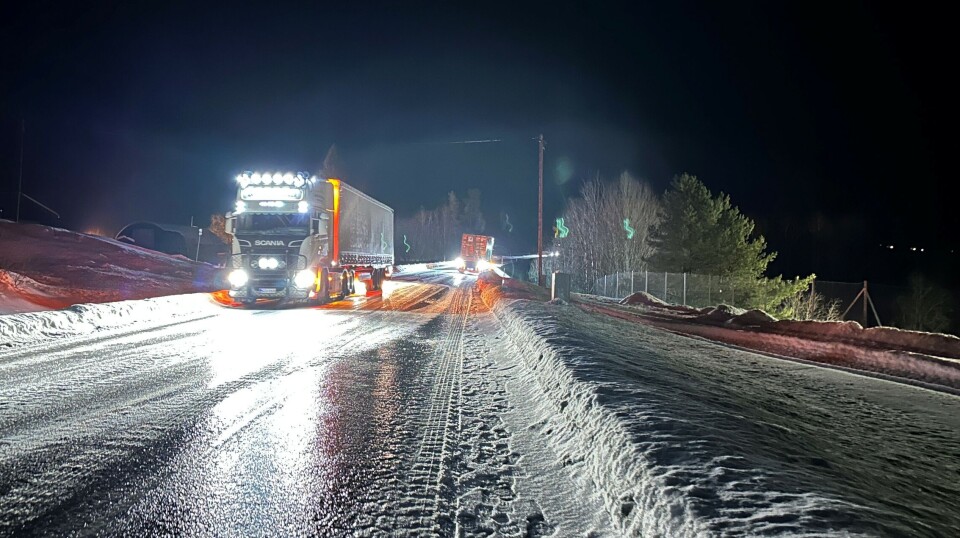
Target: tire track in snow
(428,464)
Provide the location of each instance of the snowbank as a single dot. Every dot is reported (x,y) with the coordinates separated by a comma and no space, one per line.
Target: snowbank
(842,332)
(931,360)
(651,482)
(45,268)
(84,319)
(686,438)
(588,434)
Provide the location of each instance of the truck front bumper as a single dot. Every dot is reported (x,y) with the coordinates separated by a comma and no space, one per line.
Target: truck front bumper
(269,288)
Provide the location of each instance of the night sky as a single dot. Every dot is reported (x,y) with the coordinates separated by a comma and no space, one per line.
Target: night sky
(831,124)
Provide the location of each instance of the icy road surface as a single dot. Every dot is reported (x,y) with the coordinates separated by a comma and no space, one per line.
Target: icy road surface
(369,416)
(421,412)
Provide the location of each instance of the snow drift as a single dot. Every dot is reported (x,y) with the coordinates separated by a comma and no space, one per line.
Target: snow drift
(926,358)
(84,319)
(683,437)
(45,268)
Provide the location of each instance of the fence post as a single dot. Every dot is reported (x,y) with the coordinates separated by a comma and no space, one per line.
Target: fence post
(646,281)
(631,283)
(684,289)
(616,293)
(865,295)
(709,290)
(813,298)
(604,285)
(665,286)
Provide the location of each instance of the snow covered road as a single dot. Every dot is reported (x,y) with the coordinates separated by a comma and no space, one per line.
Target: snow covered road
(375,415)
(424,412)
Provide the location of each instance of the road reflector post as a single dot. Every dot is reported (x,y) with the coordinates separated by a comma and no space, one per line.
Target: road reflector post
(560,286)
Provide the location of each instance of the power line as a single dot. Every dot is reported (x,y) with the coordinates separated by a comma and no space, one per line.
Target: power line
(488,141)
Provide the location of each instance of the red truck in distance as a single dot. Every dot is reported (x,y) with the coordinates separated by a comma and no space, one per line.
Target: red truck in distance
(476,253)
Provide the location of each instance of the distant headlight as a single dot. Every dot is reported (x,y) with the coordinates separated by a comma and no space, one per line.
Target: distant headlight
(459,262)
(304,279)
(238,278)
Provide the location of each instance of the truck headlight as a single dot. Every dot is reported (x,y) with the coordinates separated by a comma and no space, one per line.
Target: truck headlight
(304,279)
(459,262)
(482,265)
(238,278)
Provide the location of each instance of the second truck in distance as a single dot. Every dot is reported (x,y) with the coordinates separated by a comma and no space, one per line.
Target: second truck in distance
(476,253)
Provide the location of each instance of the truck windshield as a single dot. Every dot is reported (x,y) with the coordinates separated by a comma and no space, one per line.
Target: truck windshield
(280,223)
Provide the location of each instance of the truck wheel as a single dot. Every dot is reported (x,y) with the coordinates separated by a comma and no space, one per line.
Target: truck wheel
(375,279)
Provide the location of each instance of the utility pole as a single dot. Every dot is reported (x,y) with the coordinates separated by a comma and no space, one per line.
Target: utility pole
(540,218)
(23,130)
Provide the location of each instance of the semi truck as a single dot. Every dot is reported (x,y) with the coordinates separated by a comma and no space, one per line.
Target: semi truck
(476,253)
(300,238)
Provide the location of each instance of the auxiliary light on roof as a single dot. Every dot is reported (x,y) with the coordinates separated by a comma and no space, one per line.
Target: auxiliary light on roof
(276,178)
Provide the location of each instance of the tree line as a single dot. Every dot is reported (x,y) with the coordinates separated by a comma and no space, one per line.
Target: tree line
(434,234)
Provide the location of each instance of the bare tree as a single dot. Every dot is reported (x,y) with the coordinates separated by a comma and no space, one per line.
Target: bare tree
(810,305)
(607,229)
(925,307)
(434,234)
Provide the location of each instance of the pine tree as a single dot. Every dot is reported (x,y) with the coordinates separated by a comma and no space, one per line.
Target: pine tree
(706,234)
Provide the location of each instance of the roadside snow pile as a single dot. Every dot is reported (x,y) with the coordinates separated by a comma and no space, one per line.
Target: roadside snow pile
(720,314)
(652,470)
(643,298)
(753,317)
(928,359)
(944,345)
(687,438)
(411,268)
(83,319)
(51,268)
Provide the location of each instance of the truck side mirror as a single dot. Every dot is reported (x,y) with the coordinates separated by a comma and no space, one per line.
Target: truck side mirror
(229,224)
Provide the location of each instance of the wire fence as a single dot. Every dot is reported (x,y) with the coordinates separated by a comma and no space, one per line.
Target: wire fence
(706,290)
(677,288)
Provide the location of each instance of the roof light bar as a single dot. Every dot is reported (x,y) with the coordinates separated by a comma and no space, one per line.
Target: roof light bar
(276,178)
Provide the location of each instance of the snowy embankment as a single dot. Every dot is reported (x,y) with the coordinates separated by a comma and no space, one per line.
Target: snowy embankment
(686,438)
(924,358)
(43,268)
(85,319)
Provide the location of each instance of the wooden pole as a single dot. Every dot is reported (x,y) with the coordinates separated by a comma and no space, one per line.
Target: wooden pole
(540,217)
(865,295)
